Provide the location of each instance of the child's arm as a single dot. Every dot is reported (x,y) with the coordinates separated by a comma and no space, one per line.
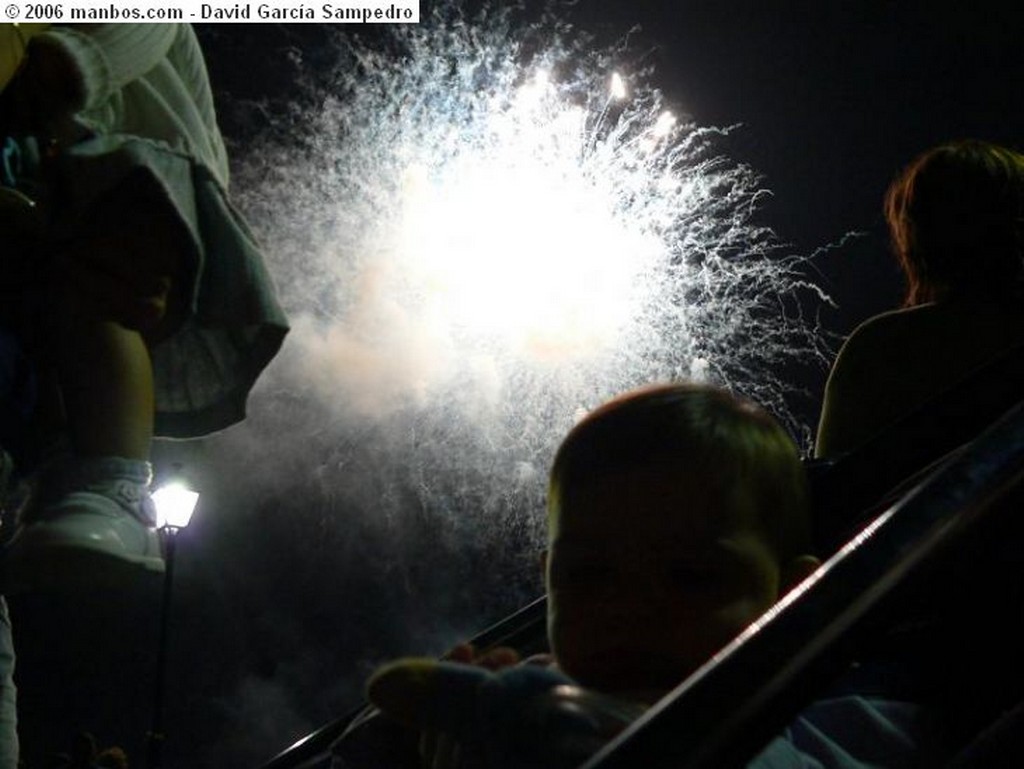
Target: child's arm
(94,61)
(67,71)
(148,80)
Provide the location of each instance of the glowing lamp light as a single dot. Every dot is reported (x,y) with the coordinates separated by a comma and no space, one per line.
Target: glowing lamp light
(174,506)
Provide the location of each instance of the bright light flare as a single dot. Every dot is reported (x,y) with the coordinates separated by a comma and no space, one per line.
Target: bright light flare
(174,504)
(518,245)
(664,124)
(617,86)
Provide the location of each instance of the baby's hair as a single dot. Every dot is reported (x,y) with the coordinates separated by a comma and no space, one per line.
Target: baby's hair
(956,220)
(729,442)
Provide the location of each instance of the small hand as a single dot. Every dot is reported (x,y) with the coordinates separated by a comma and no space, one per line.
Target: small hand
(519,717)
(46,93)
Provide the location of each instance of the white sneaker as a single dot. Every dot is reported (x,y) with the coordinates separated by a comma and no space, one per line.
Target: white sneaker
(94,525)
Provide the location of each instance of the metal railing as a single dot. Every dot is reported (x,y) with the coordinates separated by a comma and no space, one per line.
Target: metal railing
(520,630)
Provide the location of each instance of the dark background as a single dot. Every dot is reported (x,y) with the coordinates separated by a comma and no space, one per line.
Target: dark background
(280,611)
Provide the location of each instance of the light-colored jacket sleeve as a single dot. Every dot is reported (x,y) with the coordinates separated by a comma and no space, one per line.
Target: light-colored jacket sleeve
(103,58)
(143,80)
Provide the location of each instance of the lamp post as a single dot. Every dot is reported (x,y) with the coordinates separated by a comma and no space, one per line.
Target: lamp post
(174,506)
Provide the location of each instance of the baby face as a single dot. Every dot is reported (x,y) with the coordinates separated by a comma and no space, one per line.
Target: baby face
(649,575)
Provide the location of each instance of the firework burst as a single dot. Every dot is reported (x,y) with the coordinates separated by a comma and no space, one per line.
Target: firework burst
(480,232)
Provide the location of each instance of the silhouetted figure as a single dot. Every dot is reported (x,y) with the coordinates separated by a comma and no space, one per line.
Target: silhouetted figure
(956,218)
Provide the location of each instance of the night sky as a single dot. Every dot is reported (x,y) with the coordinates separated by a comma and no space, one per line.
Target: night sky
(283,601)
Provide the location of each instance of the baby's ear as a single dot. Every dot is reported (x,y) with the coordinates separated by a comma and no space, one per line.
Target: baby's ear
(796,571)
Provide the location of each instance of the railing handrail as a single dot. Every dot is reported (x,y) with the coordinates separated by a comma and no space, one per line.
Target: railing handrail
(506,632)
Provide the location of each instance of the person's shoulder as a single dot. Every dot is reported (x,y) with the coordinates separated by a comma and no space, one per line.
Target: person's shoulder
(946,325)
(890,334)
(906,320)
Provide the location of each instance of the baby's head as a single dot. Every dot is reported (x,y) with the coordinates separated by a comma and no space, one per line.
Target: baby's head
(677,516)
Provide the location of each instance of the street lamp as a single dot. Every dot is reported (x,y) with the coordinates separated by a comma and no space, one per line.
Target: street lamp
(174,504)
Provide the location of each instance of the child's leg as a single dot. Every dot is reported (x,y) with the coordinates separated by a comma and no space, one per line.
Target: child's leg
(93,521)
(107,383)
(115,296)
(112,290)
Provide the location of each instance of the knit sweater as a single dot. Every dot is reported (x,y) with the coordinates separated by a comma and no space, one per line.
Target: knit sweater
(148,80)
